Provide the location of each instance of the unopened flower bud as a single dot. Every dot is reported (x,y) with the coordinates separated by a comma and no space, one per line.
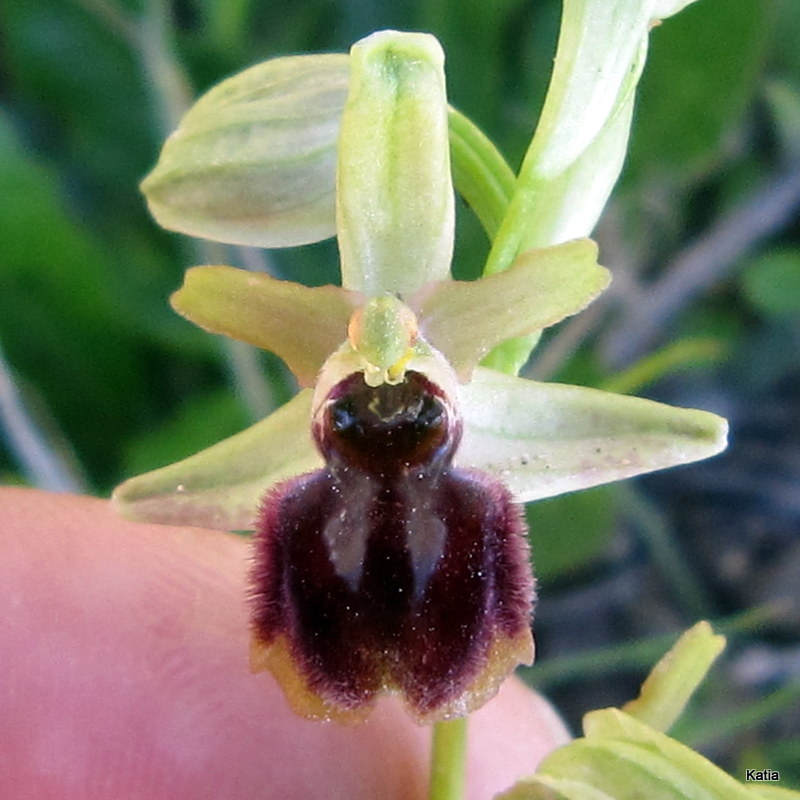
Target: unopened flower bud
(253,160)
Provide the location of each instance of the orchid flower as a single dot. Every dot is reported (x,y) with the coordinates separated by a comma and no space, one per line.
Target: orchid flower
(389,547)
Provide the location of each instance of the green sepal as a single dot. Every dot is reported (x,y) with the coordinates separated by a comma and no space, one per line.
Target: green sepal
(545,439)
(301,324)
(222,486)
(465,319)
(253,160)
(395,217)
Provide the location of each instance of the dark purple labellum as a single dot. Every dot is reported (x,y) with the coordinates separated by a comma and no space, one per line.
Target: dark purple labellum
(390,569)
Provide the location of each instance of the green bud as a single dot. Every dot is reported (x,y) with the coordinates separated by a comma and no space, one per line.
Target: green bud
(395,217)
(251,162)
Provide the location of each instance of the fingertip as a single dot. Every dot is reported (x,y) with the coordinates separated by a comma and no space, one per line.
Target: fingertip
(508,738)
(126,672)
(125,654)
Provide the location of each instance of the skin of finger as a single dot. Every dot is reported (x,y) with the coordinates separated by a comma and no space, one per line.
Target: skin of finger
(125,675)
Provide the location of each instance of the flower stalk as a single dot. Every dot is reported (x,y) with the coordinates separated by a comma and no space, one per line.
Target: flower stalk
(449,760)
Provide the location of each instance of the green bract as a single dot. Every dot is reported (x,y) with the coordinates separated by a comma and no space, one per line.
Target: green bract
(577,151)
(625,753)
(576,154)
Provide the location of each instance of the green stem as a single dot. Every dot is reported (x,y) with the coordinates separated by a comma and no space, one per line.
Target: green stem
(480,173)
(448,760)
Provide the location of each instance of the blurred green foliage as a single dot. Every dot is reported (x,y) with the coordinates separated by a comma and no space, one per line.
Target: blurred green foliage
(588,516)
(108,372)
(772,283)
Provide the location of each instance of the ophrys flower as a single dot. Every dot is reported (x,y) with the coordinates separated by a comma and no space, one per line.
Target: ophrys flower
(390,552)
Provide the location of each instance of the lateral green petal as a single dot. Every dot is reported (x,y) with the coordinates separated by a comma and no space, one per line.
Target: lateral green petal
(544,439)
(221,487)
(253,161)
(465,319)
(302,325)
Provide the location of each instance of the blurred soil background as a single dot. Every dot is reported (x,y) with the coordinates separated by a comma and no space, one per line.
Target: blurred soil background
(99,379)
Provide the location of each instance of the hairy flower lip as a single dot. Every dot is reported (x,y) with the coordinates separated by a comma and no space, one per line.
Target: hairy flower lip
(389,569)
